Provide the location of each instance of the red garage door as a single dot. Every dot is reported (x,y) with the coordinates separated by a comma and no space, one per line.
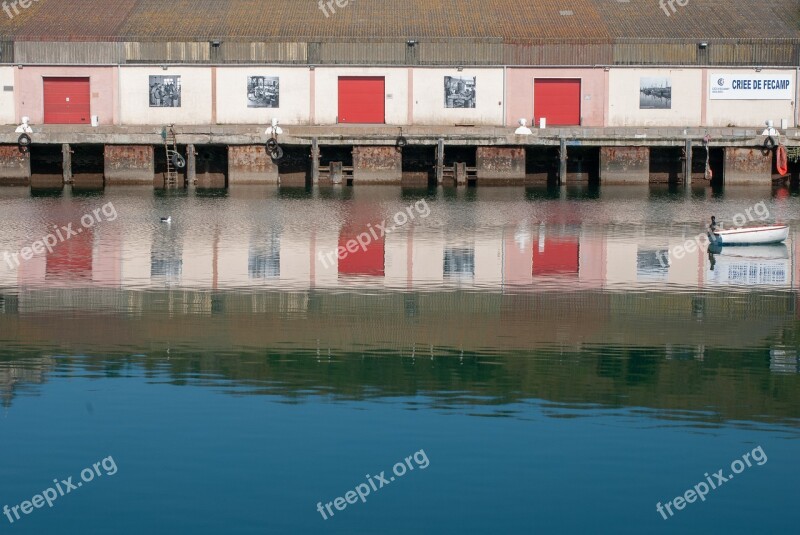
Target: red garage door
(558,101)
(361,99)
(66,101)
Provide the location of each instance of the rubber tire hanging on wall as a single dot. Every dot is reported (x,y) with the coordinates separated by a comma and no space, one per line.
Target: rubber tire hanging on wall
(277,153)
(24,140)
(178,161)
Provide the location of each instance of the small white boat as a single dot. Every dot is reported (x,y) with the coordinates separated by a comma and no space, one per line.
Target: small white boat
(751,235)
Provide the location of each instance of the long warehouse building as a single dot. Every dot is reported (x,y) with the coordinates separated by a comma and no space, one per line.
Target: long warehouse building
(592,63)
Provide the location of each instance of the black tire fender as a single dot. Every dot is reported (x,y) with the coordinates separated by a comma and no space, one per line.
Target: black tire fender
(178,161)
(277,153)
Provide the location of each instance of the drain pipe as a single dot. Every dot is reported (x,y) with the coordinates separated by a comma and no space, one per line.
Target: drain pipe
(796,97)
(505,94)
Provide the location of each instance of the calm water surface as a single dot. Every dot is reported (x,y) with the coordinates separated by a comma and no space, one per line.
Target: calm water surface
(549,369)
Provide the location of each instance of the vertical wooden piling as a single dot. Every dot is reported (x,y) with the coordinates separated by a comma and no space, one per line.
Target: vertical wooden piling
(562,163)
(440,161)
(314,161)
(191,164)
(66,166)
(687,165)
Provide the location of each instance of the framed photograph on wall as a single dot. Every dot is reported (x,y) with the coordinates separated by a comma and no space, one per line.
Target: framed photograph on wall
(655,93)
(263,91)
(459,91)
(165,91)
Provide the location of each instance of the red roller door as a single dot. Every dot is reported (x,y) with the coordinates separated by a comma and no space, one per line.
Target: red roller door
(66,101)
(361,99)
(558,101)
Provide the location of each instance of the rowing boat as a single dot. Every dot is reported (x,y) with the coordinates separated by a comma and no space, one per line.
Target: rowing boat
(751,235)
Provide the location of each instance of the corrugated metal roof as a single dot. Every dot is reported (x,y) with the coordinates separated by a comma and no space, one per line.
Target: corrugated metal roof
(302,20)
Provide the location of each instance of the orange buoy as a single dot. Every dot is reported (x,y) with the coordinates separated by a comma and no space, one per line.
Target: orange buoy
(781,161)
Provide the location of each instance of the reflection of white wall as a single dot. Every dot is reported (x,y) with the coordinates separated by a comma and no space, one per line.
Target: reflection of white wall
(623,95)
(293,101)
(232,264)
(134,91)
(6,97)
(327,92)
(621,262)
(684,270)
(429,105)
(396,259)
(198,261)
(489,260)
(749,112)
(326,272)
(296,257)
(136,259)
(428,258)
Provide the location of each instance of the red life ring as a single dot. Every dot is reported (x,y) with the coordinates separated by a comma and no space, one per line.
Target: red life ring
(781,161)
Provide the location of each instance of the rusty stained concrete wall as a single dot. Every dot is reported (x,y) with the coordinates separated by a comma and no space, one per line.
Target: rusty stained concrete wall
(15,167)
(382,164)
(129,164)
(500,163)
(250,164)
(624,165)
(747,166)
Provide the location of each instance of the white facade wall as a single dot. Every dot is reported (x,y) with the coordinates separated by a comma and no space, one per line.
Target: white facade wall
(326,97)
(623,98)
(7,97)
(750,112)
(135,96)
(429,99)
(294,100)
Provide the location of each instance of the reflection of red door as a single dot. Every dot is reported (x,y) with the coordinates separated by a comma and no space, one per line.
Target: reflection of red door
(66,101)
(361,262)
(71,259)
(558,256)
(558,101)
(361,99)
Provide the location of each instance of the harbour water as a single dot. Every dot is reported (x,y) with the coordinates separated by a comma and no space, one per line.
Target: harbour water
(536,361)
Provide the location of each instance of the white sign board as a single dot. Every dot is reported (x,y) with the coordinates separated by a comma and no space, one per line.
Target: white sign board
(746,86)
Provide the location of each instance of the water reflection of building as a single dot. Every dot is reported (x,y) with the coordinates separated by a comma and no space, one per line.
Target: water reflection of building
(523,255)
(784,360)
(14,375)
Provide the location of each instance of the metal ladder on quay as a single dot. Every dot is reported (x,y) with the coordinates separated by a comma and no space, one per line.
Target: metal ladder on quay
(170,148)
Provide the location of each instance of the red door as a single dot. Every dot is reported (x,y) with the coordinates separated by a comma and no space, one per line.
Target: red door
(558,101)
(66,101)
(361,99)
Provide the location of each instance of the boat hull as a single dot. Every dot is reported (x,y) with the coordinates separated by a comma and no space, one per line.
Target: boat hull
(752,235)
